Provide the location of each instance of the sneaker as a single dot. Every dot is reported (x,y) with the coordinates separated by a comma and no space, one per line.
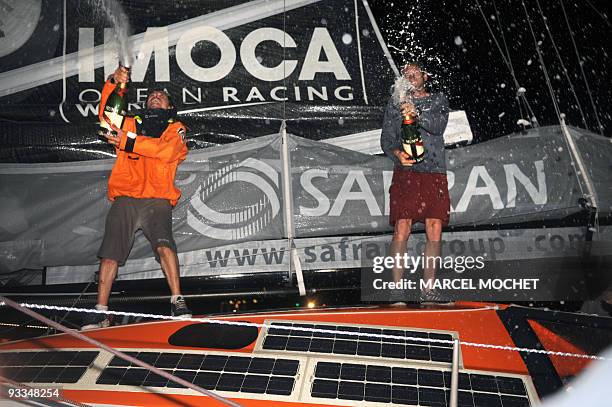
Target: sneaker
(94,321)
(432,296)
(179,308)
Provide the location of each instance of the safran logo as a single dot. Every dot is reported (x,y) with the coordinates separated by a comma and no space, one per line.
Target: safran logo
(251,186)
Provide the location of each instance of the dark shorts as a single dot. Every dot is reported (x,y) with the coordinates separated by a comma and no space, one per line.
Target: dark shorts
(127,215)
(418,196)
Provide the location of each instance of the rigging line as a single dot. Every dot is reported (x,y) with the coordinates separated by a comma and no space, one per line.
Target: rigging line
(503,37)
(508,65)
(268,324)
(506,61)
(133,360)
(603,16)
(284,59)
(552,95)
(542,64)
(586,82)
(501,29)
(562,64)
(519,99)
(91,280)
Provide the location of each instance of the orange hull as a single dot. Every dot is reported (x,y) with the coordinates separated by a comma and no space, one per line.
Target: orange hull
(469,322)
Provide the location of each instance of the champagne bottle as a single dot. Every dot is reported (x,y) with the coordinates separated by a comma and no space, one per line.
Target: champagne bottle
(412,143)
(114,110)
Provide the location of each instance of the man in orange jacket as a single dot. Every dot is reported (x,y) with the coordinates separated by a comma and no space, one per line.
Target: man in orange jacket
(141,186)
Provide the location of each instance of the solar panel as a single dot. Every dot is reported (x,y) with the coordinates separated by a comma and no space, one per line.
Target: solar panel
(486,399)
(275,342)
(111,375)
(321,345)
(369,348)
(343,347)
(84,358)
(432,397)
(71,375)
(361,341)
(351,371)
(484,383)
(48,374)
(280,385)
(62,358)
(207,380)
(152,380)
(214,362)
(404,376)
(46,366)
(117,361)
(237,364)
(230,382)
(148,357)
(351,390)
(212,372)
(414,386)
(378,393)
(378,374)
(255,384)
(324,388)
(192,361)
(328,370)
(465,399)
(168,360)
(261,365)
(511,401)
(188,375)
(285,367)
(404,395)
(511,385)
(133,377)
(431,378)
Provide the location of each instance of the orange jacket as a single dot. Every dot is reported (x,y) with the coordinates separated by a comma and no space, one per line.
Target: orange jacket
(145,167)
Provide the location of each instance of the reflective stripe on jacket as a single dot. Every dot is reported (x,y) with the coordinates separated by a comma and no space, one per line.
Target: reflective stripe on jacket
(145,167)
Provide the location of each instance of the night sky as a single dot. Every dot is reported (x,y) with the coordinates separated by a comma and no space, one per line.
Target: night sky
(452,39)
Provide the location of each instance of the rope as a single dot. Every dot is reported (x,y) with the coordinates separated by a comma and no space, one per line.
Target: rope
(23,326)
(314,330)
(511,66)
(520,96)
(562,64)
(586,82)
(508,62)
(133,360)
(284,59)
(542,64)
(603,16)
(552,93)
(91,280)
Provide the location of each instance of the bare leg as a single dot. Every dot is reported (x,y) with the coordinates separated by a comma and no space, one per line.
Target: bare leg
(433,230)
(399,243)
(108,272)
(170,267)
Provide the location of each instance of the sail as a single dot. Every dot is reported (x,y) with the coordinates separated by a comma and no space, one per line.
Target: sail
(234,69)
